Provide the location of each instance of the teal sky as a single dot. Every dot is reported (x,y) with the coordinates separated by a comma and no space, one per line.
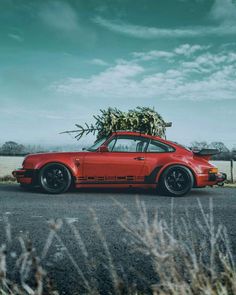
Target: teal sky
(62,61)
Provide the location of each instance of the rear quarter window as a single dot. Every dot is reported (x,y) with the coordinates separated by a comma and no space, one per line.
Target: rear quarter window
(159,147)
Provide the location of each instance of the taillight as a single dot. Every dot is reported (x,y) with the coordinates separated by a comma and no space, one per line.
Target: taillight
(213,170)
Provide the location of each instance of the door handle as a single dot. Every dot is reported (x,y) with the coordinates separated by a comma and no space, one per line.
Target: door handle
(139,158)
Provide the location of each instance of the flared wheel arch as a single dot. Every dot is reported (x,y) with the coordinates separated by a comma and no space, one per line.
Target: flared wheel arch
(158,178)
(61,163)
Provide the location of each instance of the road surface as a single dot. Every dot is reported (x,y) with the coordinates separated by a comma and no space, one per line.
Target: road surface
(30,211)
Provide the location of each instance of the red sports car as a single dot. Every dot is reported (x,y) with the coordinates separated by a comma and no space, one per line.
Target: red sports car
(124,159)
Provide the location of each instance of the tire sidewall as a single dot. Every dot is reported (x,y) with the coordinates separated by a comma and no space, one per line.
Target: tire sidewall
(52,191)
(170,192)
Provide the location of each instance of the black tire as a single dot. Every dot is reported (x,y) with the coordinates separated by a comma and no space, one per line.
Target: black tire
(55,178)
(176,181)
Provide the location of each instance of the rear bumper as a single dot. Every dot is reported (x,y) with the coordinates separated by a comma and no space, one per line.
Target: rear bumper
(211,179)
(221,178)
(25,176)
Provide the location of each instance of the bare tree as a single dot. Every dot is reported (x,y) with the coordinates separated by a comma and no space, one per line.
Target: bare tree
(12,148)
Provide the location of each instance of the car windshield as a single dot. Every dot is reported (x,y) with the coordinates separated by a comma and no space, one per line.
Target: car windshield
(97,144)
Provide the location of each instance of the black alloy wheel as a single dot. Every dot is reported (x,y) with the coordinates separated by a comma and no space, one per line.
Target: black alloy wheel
(177,180)
(55,178)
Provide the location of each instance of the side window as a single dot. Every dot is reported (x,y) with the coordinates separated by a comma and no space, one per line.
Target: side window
(159,147)
(127,144)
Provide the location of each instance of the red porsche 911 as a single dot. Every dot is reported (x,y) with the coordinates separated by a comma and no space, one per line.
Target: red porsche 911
(124,159)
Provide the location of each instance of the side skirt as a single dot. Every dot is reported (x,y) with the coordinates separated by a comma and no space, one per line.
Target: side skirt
(126,181)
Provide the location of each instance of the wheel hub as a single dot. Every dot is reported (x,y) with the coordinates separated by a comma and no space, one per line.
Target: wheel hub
(177,180)
(54,178)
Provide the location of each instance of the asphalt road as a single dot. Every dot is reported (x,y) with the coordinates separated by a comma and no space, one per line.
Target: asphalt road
(30,211)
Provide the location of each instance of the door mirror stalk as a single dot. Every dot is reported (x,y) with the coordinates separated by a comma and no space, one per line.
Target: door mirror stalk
(103,149)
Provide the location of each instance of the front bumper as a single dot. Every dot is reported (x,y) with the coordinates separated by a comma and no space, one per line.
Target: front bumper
(24,176)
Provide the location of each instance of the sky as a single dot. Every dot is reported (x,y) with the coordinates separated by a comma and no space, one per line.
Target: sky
(63,61)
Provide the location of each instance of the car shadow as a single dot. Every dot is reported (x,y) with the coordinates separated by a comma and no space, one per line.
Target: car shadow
(115,191)
(195,192)
(15,187)
(126,191)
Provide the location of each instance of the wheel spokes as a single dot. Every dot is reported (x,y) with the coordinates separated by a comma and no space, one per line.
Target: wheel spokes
(177,180)
(54,178)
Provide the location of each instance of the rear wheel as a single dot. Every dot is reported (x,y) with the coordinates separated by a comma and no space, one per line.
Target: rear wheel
(176,180)
(55,178)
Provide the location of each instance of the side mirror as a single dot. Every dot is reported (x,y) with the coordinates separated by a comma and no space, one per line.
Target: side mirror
(103,149)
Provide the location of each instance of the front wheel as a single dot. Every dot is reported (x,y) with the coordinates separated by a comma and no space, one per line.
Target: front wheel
(54,178)
(176,180)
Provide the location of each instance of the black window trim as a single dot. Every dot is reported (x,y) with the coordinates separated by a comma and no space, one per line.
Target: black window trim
(140,136)
(164,152)
(120,135)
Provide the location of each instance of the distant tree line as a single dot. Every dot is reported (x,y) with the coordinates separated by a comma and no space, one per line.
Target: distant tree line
(12,148)
(225,153)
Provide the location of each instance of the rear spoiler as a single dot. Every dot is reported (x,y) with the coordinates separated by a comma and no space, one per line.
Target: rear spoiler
(206,152)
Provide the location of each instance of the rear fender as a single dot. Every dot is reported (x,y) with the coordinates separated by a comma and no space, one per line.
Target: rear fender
(158,177)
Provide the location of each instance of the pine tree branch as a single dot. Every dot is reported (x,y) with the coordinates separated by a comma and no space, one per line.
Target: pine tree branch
(142,119)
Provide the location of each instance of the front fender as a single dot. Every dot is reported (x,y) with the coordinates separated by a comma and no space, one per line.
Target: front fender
(71,165)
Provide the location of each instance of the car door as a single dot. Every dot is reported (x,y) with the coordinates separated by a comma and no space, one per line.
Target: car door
(123,163)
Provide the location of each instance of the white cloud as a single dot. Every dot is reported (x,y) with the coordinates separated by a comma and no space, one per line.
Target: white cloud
(98,62)
(59,15)
(224,11)
(210,63)
(184,49)
(143,32)
(105,84)
(153,54)
(187,49)
(204,76)
(16,37)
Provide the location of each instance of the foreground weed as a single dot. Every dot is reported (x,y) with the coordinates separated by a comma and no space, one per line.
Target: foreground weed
(185,258)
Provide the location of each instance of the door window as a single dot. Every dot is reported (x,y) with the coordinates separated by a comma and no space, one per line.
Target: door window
(128,144)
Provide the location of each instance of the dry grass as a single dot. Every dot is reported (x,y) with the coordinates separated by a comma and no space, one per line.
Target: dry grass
(230,184)
(8,179)
(185,259)
(184,266)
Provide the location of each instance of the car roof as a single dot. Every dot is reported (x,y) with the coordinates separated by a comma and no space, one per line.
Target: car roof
(135,133)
